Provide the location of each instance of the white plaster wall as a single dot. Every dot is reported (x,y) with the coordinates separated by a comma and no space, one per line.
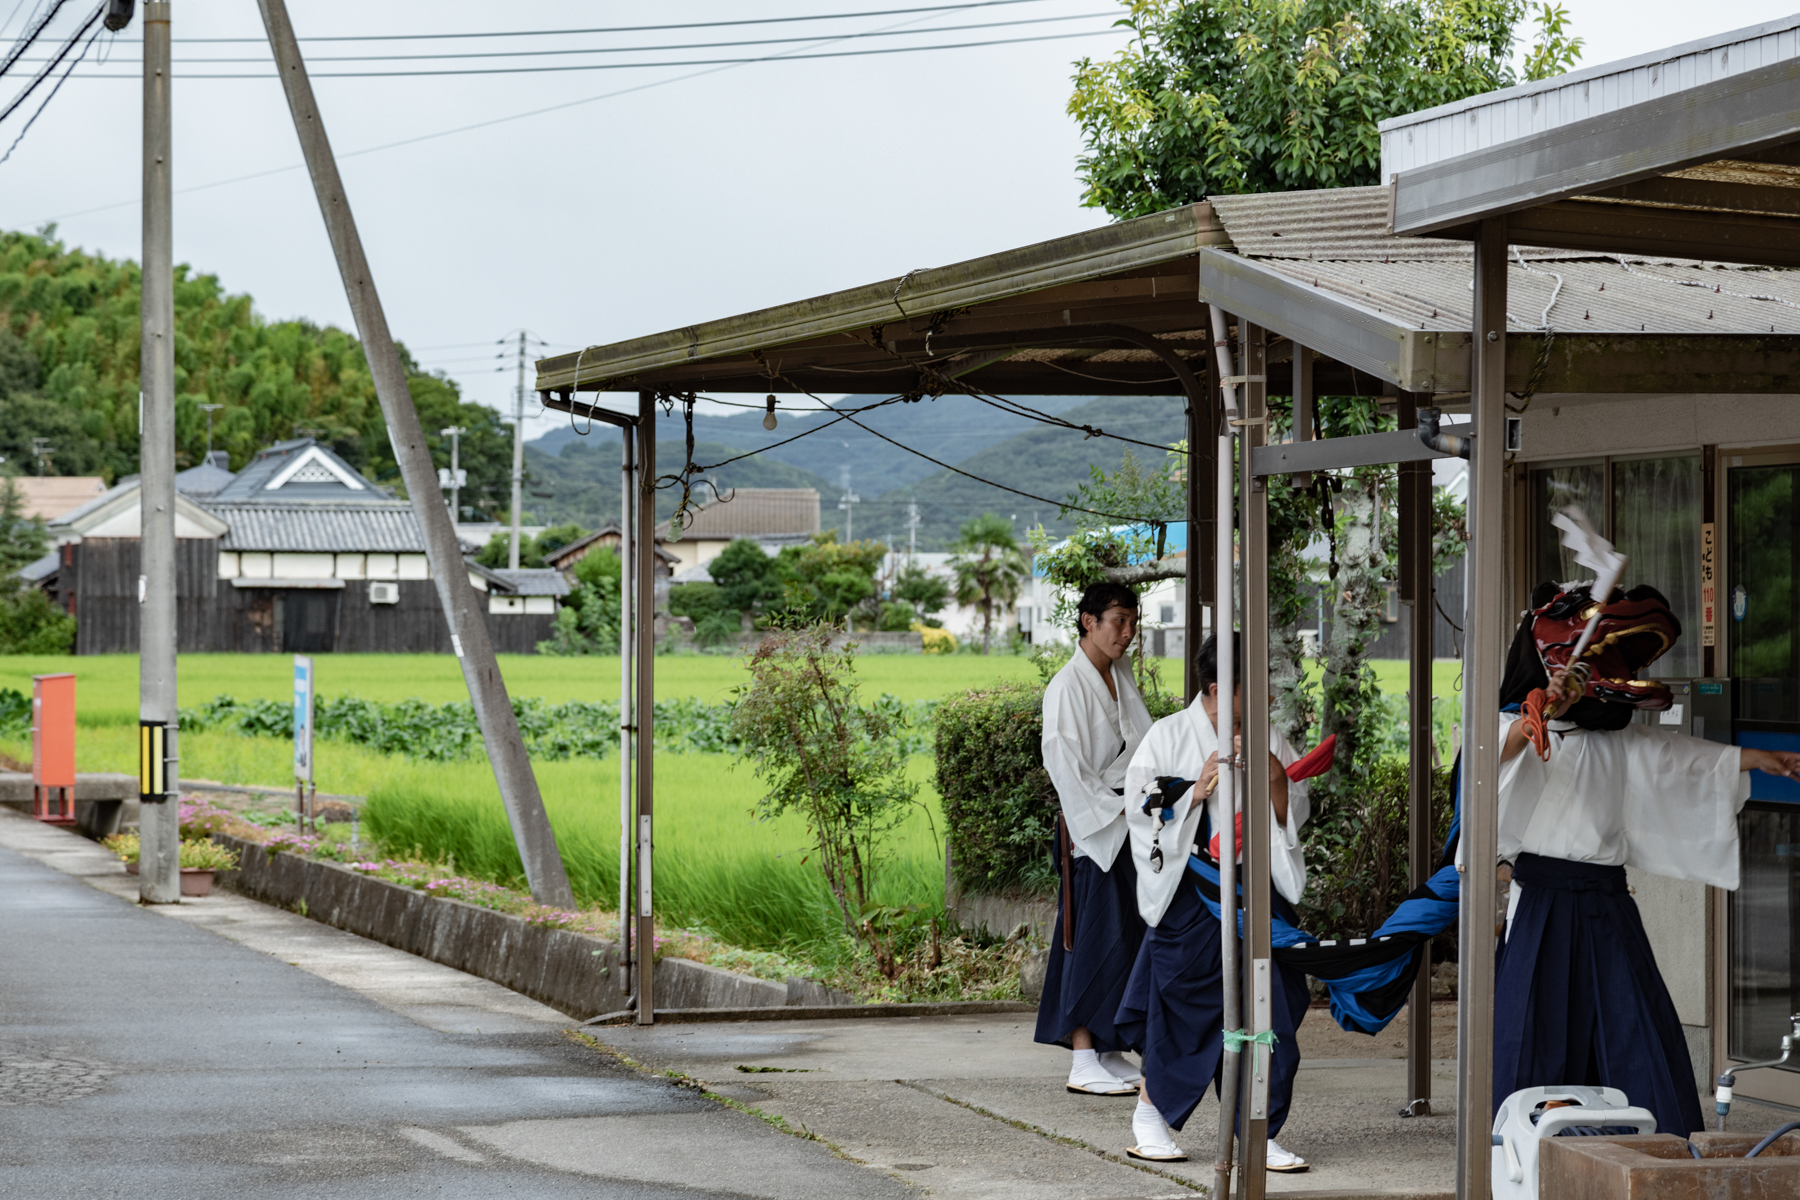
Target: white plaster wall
(228,564)
(413,566)
(382,566)
(352,566)
(256,564)
(540,605)
(302,566)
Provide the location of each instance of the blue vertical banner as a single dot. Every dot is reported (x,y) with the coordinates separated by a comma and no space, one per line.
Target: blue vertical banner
(303,718)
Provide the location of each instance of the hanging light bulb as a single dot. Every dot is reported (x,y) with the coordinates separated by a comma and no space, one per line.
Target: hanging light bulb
(769,420)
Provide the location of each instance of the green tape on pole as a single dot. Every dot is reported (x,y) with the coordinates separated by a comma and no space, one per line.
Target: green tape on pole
(1235,1039)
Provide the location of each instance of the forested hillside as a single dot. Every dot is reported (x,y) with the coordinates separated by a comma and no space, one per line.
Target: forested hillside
(69,338)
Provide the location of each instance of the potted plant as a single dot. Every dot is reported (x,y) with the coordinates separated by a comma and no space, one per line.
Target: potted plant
(125,845)
(199,859)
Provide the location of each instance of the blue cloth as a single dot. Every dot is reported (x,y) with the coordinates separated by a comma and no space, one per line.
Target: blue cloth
(1174,1009)
(1083,986)
(1578,998)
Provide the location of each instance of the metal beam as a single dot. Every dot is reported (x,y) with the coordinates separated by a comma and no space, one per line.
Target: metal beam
(1362,450)
(645,572)
(1481,746)
(1331,326)
(462,604)
(1582,224)
(1683,192)
(1416,592)
(1733,117)
(1258,962)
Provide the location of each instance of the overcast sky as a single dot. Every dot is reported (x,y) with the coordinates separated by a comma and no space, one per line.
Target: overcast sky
(690,199)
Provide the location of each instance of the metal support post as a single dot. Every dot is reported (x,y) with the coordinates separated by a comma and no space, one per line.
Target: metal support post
(1303,413)
(1481,741)
(646,701)
(462,603)
(627,690)
(1257,962)
(1224,621)
(159,828)
(1202,520)
(518,466)
(1416,584)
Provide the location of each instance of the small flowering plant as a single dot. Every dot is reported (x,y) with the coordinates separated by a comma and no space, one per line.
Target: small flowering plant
(204,854)
(125,845)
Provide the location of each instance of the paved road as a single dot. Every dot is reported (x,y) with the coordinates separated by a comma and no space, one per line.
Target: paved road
(148,1057)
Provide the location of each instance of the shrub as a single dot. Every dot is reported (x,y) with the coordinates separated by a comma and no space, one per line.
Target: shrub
(31,624)
(937,641)
(1356,851)
(999,806)
(207,855)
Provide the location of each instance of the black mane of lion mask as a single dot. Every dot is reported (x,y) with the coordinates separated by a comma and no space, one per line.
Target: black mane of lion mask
(1636,628)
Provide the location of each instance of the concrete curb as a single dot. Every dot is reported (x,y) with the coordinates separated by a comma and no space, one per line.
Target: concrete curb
(573,973)
(833,1012)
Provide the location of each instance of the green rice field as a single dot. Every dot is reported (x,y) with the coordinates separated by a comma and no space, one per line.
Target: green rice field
(719,866)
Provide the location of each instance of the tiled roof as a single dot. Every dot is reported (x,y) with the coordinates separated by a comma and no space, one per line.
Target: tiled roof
(321,480)
(321,528)
(542,581)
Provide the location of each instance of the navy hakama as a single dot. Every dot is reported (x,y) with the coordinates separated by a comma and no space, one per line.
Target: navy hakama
(1174,1011)
(1578,998)
(1083,986)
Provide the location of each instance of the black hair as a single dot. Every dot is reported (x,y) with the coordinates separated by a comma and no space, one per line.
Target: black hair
(1098,598)
(1206,662)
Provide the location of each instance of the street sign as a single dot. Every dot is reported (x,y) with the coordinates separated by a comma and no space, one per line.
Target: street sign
(303,718)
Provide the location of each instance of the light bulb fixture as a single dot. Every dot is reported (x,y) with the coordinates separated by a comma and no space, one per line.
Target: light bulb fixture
(769,419)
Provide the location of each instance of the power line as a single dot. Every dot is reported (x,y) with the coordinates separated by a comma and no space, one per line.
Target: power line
(692,62)
(645,49)
(498,33)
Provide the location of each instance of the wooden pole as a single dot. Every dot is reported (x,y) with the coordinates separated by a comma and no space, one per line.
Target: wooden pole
(646,701)
(159,870)
(1258,962)
(1481,737)
(462,603)
(1416,591)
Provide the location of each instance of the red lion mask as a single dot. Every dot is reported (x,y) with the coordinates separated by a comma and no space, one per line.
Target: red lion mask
(1636,628)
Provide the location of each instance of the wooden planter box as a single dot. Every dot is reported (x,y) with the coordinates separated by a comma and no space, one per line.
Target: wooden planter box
(1659,1167)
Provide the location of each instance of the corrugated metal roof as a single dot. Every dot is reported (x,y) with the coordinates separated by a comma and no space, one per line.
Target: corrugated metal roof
(1436,134)
(754,512)
(1591,295)
(322,528)
(1331,224)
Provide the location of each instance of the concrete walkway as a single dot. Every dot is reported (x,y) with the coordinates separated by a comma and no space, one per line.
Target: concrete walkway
(138,1052)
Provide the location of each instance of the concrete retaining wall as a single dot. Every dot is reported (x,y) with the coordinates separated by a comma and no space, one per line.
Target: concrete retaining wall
(570,972)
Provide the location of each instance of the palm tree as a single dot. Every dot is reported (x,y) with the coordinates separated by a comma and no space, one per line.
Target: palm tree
(990,569)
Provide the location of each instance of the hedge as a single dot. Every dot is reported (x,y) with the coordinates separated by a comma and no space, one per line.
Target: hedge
(999,806)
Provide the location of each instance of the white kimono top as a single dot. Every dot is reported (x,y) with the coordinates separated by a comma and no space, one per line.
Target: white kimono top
(1179,745)
(1642,797)
(1088,739)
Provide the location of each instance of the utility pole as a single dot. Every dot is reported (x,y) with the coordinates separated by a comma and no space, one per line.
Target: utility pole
(463,606)
(40,449)
(209,410)
(912,531)
(454,478)
(849,498)
(159,827)
(518,471)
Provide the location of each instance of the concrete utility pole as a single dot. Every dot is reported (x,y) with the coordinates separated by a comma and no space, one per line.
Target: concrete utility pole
(159,825)
(518,472)
(454,478)
(462,603)
(209,410)
(849,498)
(912,531)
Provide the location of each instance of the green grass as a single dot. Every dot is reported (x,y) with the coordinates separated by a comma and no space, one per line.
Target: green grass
(746,880)
(106,688)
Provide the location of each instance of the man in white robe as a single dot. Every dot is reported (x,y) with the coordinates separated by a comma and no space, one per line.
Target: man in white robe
(1094,719)
(1174,1003)
(1578,999)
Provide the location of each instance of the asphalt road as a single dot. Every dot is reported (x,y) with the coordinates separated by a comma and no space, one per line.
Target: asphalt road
(146,1057)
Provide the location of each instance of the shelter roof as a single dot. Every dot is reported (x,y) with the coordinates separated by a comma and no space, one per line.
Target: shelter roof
(944,321)
(1692,152)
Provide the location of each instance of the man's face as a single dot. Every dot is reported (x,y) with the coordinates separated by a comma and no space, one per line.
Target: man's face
(1112,631)
(1237,701)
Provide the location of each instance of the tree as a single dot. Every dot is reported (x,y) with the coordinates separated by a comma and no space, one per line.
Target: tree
(989,567)
(924,593)
(828,757)
(23,539)
(29,622)
(498,551)
(1221,97)
(747,578)
(828,580)
(588,621)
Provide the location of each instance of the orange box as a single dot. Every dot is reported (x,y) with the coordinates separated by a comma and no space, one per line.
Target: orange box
(53,746)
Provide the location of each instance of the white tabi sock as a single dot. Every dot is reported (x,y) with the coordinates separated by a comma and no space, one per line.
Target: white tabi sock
(1083,1060)
(1149,1128)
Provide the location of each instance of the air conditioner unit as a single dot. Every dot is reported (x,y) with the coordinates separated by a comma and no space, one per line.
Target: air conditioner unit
(384,593)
